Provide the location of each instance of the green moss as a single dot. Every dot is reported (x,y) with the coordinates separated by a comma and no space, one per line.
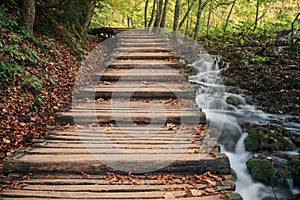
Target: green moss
(252,143)
(254,139)
(261,170)
(232,100)
(262,138)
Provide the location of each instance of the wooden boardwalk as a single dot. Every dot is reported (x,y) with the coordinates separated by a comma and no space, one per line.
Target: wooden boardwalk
(141,137)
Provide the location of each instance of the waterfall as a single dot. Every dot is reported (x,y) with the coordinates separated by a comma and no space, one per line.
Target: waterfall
(224,117)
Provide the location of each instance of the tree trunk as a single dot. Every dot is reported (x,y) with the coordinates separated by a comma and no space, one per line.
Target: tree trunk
(176,15)
(152,14)
(164,15)
(201,6)
(256,14)
(292,34)
(145,13)
(88,18)
(186,14)
(159,13)
(197,26)
(128,21)
(29,14)
(187,21)
(208,18)
(228,17)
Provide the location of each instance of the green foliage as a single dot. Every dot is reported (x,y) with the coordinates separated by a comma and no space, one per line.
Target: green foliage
(18,53)
(32,83)
(261,170)
(273,16)
(259,59)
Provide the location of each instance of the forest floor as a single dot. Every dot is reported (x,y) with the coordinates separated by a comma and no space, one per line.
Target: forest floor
(21,120)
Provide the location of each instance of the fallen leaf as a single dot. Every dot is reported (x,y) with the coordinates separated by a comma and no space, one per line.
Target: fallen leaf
(47,176)
(196,193)
(169,195)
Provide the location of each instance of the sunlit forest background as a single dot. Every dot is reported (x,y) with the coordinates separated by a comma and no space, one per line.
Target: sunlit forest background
(216,17)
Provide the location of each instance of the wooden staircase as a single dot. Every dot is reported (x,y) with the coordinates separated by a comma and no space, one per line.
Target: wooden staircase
(142,136)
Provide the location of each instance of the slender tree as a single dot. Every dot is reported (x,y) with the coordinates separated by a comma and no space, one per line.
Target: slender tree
(159,13)
(187,21)
(256,14)
(152,14)
(28,11)
(209,17)
(88,15)
(164,14)
(201,6)
(293,27)
(176,15)
(228,16)
(145,13)
(190,6)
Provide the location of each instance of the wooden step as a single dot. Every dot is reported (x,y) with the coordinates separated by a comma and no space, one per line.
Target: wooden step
(141,74)
(142,44)
(114,186)
(138,90)
(129,112)
(141,40)
(144,63)
(145,55)
(100,163)
(142,49)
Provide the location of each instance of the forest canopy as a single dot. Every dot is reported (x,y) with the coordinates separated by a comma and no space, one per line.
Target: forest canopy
(207,17)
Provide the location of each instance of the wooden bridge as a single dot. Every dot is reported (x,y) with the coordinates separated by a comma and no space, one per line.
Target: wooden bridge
(141,136)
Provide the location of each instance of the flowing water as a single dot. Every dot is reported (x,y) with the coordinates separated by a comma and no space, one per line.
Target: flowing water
(226,118)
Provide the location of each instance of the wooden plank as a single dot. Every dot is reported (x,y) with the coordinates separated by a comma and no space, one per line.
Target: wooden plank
(140,75)
(68,144)
(104,188)
(190,163)
(135,92)
(85,195)
(142,49)
(120,187)
(144,62)
(153,39)
(130,127)
(217,197)
(99,151)
(170,104)
(141,44)
(150,139)
(146,55)
(104,140)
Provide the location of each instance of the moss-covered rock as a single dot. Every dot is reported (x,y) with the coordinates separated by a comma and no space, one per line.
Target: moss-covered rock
(254,139)
(263,138)
(295,170)
(252,143)
(261,170)
(232,100)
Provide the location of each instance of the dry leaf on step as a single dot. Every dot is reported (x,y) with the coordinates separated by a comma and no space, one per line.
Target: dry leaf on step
(169,195)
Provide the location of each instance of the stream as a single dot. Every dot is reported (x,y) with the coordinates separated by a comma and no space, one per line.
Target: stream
(224,118)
